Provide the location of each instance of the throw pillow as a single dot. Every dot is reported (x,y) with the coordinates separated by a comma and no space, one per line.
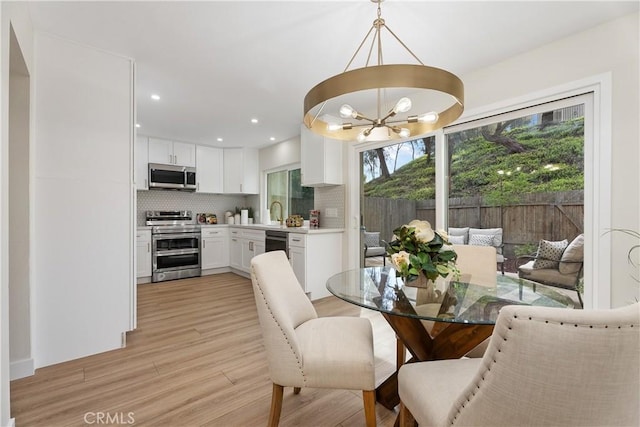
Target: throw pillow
(549,253)
(574,252)
(496,233)
(481,240)
(456,240)
(459,231)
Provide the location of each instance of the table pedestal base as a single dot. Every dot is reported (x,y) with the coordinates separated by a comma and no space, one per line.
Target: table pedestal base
(444,341)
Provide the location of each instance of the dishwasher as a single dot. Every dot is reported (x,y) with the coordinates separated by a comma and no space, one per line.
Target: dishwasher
(276,240)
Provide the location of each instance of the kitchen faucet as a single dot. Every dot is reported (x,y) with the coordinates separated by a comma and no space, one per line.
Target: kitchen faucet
(281,209)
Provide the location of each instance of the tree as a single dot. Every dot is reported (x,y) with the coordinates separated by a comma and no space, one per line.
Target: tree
(384,170)
(511,144)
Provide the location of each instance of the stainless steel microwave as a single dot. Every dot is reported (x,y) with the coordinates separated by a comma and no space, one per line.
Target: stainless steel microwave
(172,177)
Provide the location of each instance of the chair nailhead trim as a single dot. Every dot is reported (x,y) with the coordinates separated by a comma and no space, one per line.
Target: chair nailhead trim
(283,333)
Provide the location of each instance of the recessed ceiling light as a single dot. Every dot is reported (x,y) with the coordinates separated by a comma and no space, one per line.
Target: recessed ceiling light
(273,138)
(155,97)
(219,139)
(137,125)
(254,121)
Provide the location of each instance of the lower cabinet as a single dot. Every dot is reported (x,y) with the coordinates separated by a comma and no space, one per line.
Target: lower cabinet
(214,251)
(244,245)
(314,258)
(297,257)
(143,253)
(235,249)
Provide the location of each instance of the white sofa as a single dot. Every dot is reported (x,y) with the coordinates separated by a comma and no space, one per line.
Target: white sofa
(479,237)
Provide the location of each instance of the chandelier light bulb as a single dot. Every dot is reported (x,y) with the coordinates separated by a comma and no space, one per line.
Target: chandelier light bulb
(334,127)
(361,137)
(430,117)
(404,132)
(347,111)
(402,106)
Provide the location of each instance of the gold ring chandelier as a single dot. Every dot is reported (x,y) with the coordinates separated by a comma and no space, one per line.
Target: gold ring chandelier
(382,77)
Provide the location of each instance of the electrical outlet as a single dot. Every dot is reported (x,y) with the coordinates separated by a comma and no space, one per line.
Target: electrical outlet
(331,212)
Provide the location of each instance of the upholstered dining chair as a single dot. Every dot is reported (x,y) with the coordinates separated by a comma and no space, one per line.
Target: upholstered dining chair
(544,367)
(304,350)
(477,264)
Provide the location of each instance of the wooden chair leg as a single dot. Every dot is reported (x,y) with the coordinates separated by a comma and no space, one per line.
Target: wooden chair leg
(369,398)
(276,405)
(296,390)
(406,417)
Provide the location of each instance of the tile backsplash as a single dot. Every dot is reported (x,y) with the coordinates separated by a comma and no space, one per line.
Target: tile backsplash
(330,199)
(196,202)
(326,199)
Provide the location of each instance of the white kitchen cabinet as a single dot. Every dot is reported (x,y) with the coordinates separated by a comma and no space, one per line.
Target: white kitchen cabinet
(321,159)
(241,171)
(235,249)
(253,243)
(244,245)
(214,251)
(297,257)
(143,253)
(172,152)
(210,169)
(314,258)
(141,172)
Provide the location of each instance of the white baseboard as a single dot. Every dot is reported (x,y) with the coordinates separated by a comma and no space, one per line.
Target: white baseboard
(12,422)
(22,368)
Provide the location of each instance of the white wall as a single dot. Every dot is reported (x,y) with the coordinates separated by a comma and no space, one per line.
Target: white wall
(84,200)
(12,15)
(609,48)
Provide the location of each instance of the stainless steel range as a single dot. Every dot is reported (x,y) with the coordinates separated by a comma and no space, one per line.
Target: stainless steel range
(175,247)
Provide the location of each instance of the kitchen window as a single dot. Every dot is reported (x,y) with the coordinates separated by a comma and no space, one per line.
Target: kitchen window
(284,186)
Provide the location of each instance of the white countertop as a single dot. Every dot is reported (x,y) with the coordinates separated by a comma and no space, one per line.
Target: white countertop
(303,230)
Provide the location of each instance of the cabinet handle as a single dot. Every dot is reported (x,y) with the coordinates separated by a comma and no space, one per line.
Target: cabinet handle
(241,188)
(148,247)
(175,159)
(198,186)
(204,243)
(296,240)
(146,183)
(170,158)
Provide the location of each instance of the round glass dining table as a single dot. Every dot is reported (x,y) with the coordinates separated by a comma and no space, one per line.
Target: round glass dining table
(445,321)
(378,288)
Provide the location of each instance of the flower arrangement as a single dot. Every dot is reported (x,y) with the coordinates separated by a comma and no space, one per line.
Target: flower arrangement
(418,249)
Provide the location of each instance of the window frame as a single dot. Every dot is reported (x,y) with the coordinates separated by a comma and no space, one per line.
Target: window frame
(598,177)
(288,168)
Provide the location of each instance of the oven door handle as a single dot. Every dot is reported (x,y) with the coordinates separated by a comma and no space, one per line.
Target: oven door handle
(175,236)
(177,252)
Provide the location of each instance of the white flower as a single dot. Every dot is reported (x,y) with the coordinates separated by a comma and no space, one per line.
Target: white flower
(424,232)
(399,259)
(443,234)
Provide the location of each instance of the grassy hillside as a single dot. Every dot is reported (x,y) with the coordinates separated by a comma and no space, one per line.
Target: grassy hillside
(552,161)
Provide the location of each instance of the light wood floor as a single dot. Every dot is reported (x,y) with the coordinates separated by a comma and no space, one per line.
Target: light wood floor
(196,359)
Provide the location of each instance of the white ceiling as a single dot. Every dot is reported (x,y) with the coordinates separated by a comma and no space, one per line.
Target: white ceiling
(217,64)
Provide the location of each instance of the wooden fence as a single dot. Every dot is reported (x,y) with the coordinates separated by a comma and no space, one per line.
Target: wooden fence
(550,216)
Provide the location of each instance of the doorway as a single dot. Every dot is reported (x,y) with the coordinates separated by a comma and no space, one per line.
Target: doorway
(19,207)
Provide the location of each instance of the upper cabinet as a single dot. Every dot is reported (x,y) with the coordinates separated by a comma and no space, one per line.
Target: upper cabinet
(210,169)
(241,171)
(141,172)
(172,153)
(321,159)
